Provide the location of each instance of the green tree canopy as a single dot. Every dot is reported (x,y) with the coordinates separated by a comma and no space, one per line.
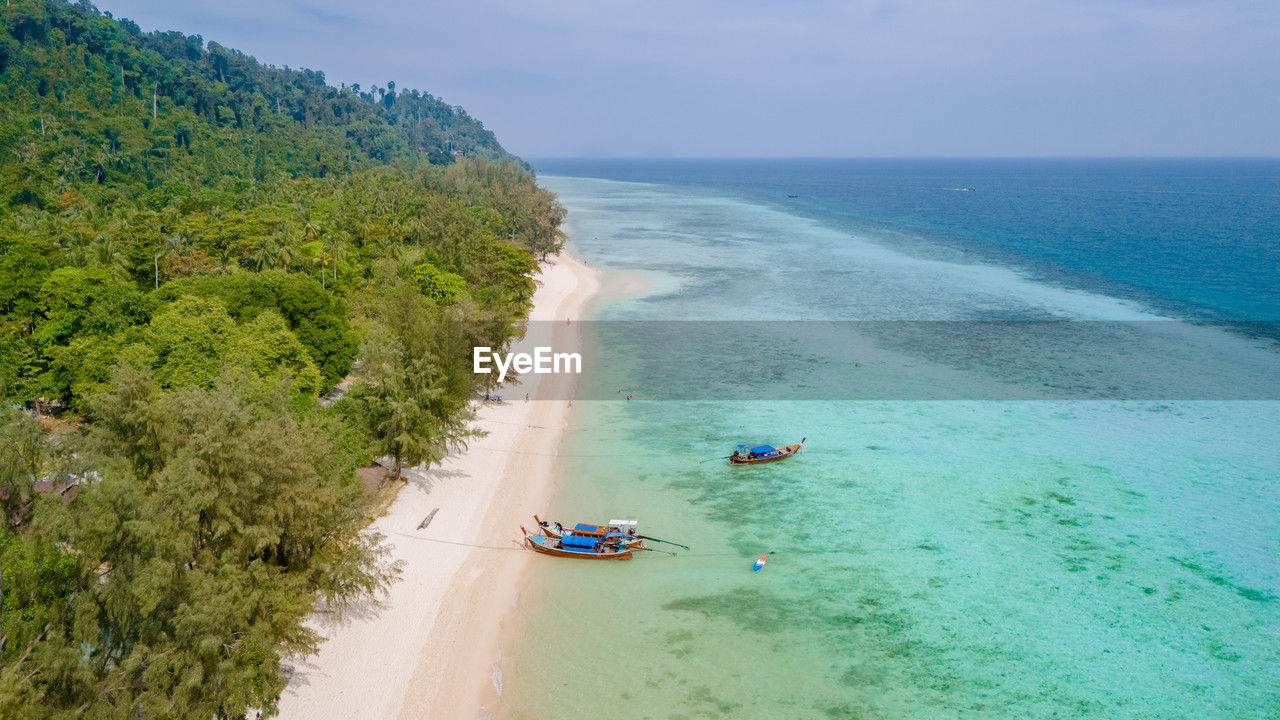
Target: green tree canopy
(412,392)
(218,520)
(316,317)
(269,348)
(189,338)
(442,287)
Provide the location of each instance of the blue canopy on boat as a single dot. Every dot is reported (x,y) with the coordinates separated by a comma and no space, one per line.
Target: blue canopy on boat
(585,528)
(763,449)
(578,541)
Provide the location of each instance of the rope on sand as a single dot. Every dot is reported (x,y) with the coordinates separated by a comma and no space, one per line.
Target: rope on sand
(505,422)
(565,455)
(567,427)
(451,542)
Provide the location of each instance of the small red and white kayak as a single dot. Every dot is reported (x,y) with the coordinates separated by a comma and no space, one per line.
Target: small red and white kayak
(759,563)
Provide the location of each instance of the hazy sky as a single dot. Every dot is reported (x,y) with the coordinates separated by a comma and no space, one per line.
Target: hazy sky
(751,78)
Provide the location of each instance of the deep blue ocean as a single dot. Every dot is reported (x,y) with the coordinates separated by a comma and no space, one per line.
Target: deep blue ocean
(1198,238)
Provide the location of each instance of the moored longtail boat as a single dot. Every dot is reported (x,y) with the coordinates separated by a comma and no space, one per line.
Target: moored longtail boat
(586,547)
(557,530)
(764,453)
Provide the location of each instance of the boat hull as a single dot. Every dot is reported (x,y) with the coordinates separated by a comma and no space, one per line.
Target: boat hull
(783,454)
(550,546)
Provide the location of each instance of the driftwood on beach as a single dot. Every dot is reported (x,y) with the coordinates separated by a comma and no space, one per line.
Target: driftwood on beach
(427,520)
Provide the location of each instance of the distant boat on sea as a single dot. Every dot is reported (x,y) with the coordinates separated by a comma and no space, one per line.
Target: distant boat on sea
(764,453)
(793,196)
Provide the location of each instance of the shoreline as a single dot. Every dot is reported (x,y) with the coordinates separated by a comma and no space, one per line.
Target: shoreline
(428,648)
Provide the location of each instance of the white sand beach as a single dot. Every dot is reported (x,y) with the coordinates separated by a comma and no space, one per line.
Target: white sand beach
(428,649)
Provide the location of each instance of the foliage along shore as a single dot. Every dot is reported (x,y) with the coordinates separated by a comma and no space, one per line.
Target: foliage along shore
(194,247)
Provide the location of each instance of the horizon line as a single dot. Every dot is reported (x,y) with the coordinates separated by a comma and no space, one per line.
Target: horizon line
(531,158)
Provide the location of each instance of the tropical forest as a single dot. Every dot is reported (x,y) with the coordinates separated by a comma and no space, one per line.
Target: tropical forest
(224,287)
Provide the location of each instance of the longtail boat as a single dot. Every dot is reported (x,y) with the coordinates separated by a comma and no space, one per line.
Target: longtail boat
(585,547)
(557,530)
(763,453)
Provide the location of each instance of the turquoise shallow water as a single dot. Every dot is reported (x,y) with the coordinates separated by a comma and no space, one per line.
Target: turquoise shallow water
(1047,559)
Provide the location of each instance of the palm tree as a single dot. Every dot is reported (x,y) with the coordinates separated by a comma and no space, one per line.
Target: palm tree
(265,253)
(392,249)
(107,254)
(102,159)
(312,229)
(68,165)
(80,256)
(28,153)
(285,253)
(226,261)
(174,246)
(335,249)
(29,219)
(422,226)
(82,212)
(369,229)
